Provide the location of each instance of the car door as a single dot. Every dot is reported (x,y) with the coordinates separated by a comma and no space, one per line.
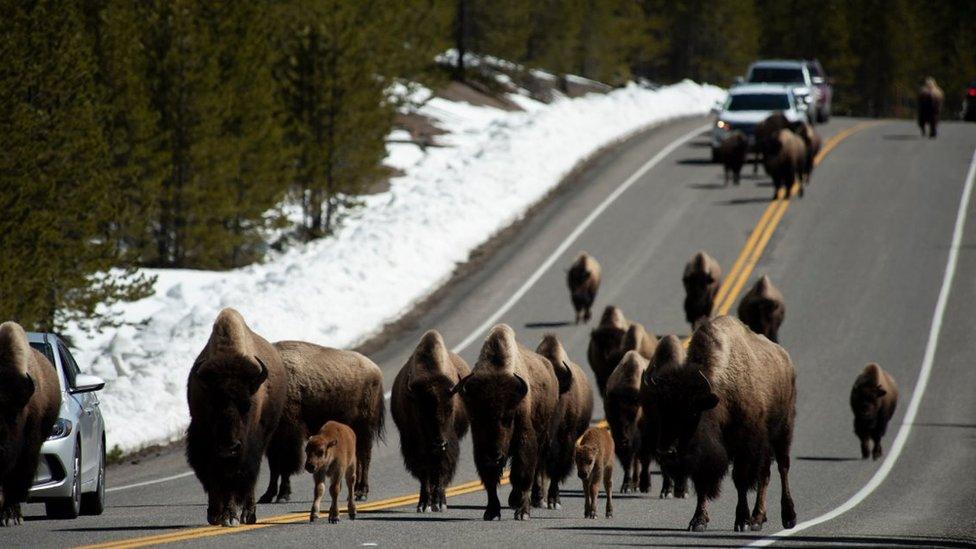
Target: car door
(87,426)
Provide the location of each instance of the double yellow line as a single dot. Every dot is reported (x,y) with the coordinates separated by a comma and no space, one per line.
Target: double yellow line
(727,294)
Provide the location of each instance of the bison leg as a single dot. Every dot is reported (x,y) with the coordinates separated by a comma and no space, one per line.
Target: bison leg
(759,511)
(594,495)
(665,486)
(249,514)
(351,489)
(877,451)
(552,497)
(788,510)
(272,491)
(215,507)
(10,514)
(742,489)
(587,314)
(539,487)
(494,508)
(699,521)
(608,488)
(334,486)
(423,505)
(635,472)
(317,497)
(865,446)
(364,454)
(521,476)
(644,483)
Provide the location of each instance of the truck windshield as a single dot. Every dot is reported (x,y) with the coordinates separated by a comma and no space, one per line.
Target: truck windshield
(776,75)
(758,102)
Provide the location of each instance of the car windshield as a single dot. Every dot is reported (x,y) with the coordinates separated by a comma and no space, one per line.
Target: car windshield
(758,102)
(776,75)
(45,349)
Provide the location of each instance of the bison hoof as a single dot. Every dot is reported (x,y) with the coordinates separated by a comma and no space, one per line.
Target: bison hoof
(334,519)
(522,514)
(590,515)
(361,495)
(698,524)
(493,513)
(756,526)
(740,526)
(554,505)
(313,516)
(268,497)
(423,508)
(249,517)
(789,520)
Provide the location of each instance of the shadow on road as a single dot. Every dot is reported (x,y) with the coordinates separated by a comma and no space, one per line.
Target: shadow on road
(900,137)
(827,458)
(126,528)
(366,516)
(708,185)
(549,324)
(955,425)
(740,201)
(698,162)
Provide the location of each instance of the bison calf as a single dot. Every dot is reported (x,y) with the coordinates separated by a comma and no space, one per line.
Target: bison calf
(873,400)
(431,420)
(733,152)
(331,454)
(583,279)
(702,278)
(930,99)
(30,399)
(594,463)
(762,309)
(625,417)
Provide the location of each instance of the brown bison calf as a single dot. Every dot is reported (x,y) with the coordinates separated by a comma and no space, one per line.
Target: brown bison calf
(733,152)
(930,99)
(784,158)
(734,400)
(611,340)
(702,279)
(623,412)
(670,353)
(574,409)
(332,454)
(325,385)
(873,400)
(236,392)
(431,420)
(594,463)
(762,309)
(583,279)
(812,142)
(30,399)
(511,397)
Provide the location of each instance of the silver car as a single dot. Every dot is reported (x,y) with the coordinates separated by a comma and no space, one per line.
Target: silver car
(70,477)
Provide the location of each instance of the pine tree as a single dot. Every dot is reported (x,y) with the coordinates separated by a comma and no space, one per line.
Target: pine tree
(60,260)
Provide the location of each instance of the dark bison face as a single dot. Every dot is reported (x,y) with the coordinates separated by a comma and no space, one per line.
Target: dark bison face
(229,392)
(698,287)
(677,400)
(866,401)
(608,343)
(493,403)
(623,411)
(585,458)
(435,403)
(319,453)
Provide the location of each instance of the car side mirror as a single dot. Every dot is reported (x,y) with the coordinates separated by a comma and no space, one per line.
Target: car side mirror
(87,383)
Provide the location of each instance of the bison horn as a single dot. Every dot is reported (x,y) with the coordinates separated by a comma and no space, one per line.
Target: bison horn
(459,386)
(564,376)
(523,385)
(709,383)
(261,376)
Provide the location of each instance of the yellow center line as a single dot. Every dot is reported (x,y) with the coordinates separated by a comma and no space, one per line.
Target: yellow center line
(728,292)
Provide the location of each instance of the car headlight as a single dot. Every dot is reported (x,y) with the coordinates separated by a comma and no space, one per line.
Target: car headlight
(723,125)
(61,429)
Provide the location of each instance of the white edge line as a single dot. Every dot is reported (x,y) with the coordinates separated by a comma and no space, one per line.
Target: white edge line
(923,380)
(149,482)
(568,241)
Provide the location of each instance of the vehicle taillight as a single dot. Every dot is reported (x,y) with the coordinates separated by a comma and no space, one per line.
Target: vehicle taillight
(972,92)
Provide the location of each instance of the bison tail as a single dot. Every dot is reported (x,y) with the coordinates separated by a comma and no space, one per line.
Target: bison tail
(379,416)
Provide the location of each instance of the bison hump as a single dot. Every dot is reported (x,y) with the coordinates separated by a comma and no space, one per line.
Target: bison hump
(500,348)
(14,348)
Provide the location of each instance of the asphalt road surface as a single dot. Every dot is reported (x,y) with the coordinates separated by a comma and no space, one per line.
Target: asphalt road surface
(862,261)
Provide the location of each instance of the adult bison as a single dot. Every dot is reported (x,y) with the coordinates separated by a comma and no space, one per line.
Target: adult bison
(765,132)
(873,401)
(702,279)
(574,409)
(236,392)
(583,279)
(734,400)
(930,99)
(812,143)
(670,354)
(733,150)
(762,309)
(623,411)
(611,340)
(30,398)
(784,158)
(431,420)
(324,384)
(511,397)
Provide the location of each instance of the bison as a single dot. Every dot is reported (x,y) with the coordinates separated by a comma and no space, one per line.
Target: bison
(30,399)
(624,415)
(594,464)
(574,410)
(812,143)
(733,152)
(765,132)
(702,278)
(583,279)
(733,400)
(873,400)
(236,393)
(930,99)
(511,397)
(611,340)
(762,309)
(331,453)
(784,158)
(431,420)
(670,353)
(325,384)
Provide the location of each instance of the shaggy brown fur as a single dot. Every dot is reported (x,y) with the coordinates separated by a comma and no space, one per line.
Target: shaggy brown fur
(733,152)
(873,400)
(670,353)
(702,279)
(611,340)
(622,409)
(784,158)
(236,392)
(431,420)
(583,279)
(765,132)
(30,398)
(325,384)
(812,142)
(930,100)
(762,309)
(331,454)
(734,400)
(511,397)
(573,413)
(594,464)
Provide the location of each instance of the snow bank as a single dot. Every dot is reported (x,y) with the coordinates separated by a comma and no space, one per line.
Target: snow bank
(389,255)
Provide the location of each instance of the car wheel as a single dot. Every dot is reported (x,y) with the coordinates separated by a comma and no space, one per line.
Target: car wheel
(69,507)
(94,502)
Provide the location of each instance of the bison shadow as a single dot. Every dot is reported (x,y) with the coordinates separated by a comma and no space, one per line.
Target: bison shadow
(827,458)
(125,528)
(416,517)
(955,425)
(737,540)
(549,324)
(698,162)
(700,144)
(900,137)
(741,201)
(708,185)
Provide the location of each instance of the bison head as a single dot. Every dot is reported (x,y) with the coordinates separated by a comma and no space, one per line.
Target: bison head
(608,343)
(226,389)
(434,400)
(16,390)
(676,401)
(585,457)
(319,453)
(866,401)
(494,405)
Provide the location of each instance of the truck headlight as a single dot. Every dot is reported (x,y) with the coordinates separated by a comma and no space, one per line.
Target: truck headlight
(723,125)
(61,429)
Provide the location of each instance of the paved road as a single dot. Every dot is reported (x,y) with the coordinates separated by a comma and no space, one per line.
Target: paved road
(861,260)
